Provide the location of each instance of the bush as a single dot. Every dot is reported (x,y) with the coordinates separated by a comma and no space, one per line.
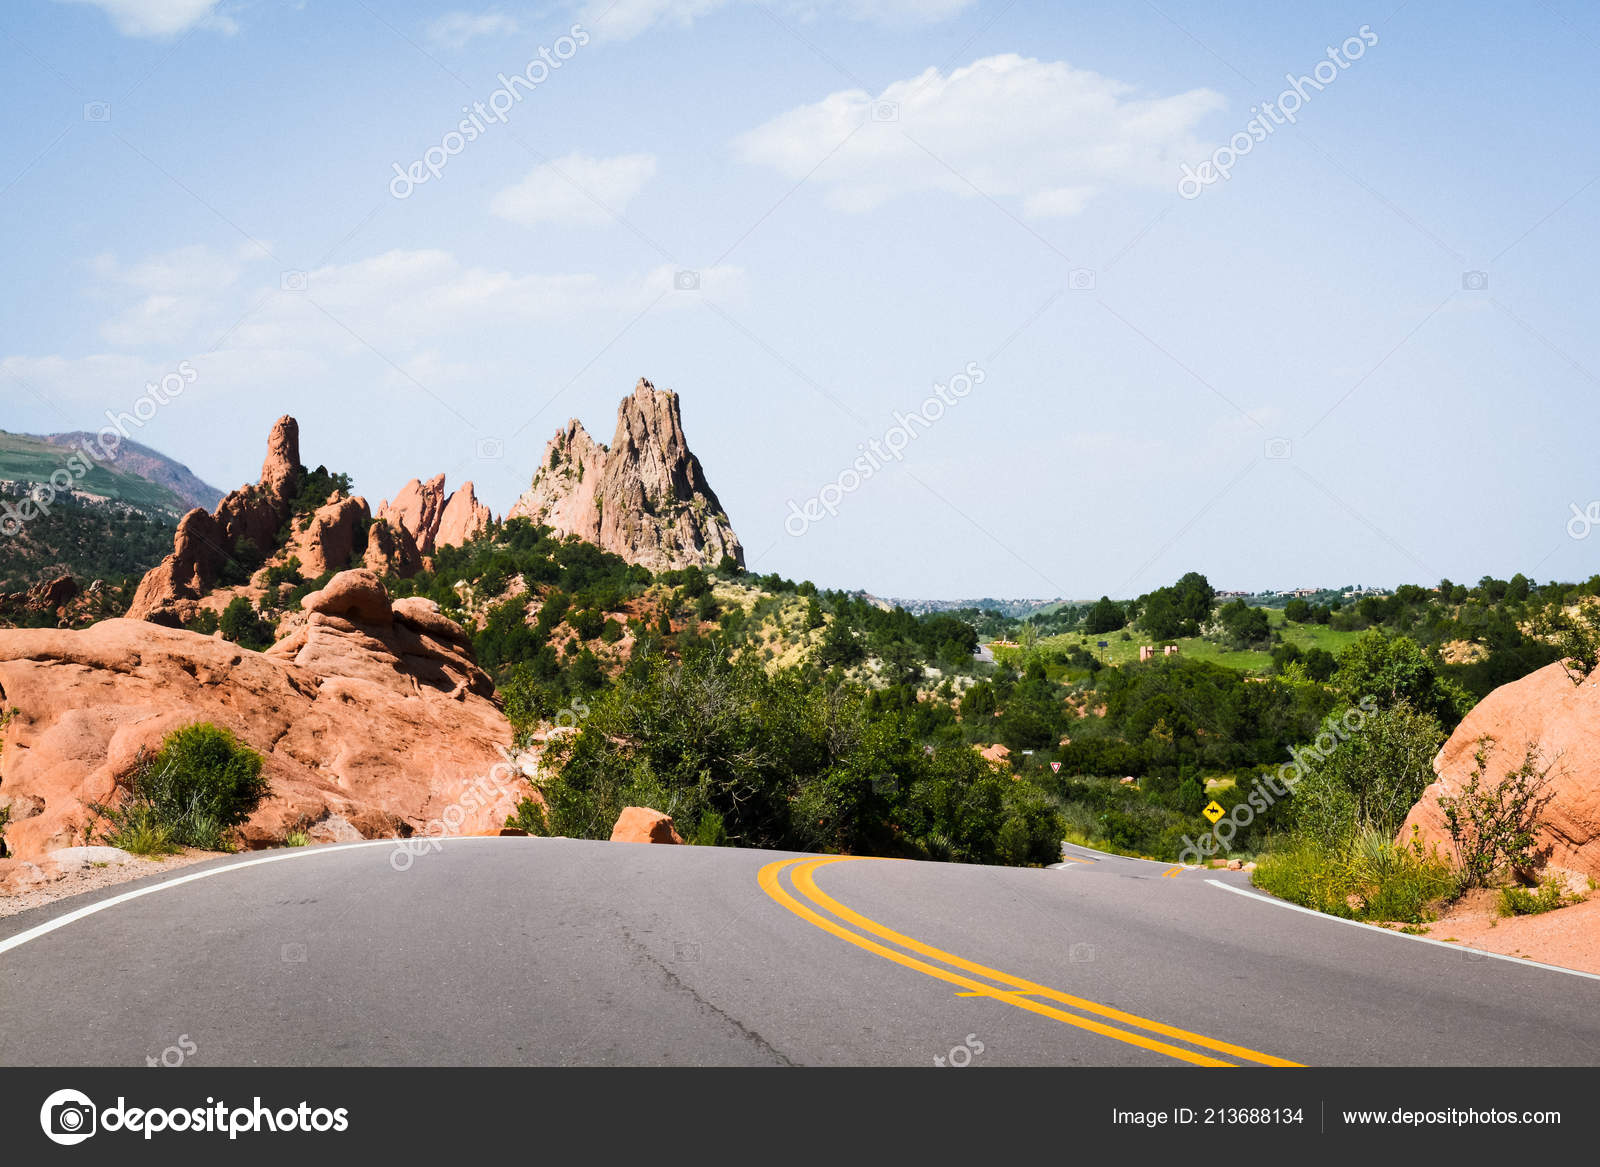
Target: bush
(201,784)
(1494,828)
(1367,878)
(243,625)
(1520,901)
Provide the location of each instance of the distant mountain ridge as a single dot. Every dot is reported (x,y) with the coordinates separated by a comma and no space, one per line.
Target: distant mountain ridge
(111,521)
(152,466)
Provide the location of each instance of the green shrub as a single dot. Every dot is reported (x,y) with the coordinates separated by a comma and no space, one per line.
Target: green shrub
(1549,895)
(1365,878)
(1494,828)
(243,625)
(201,784)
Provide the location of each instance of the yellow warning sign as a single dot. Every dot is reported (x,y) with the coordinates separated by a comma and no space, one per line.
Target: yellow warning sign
(1213,811)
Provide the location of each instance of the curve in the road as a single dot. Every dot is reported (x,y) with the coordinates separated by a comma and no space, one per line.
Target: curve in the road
(1017,991)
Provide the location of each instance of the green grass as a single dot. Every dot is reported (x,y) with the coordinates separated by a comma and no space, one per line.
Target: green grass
(1365,878)
(1121,652)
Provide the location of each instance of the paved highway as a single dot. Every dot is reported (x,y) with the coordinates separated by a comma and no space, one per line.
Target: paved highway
(515,951)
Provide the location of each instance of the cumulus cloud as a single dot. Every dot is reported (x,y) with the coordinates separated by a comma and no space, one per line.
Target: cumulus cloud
(159,18)
(1041,131)
(454,29)
(627,18)
(578,190)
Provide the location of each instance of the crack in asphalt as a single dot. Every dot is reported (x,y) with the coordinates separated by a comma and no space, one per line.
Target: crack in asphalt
(676,982)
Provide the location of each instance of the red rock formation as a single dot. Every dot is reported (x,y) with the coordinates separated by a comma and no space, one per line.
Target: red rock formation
(325,540)
(640,824)
(645,497)
(373,719)
(416,509)
(1544,709)
(392,551)
(170,591)
(432,519)
(462,518)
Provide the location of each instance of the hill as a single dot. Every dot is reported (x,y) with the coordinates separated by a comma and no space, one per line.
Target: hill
(152,466)
(101,518)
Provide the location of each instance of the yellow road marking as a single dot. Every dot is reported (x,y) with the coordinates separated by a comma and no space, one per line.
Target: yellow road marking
(1020,991)
(1172,873)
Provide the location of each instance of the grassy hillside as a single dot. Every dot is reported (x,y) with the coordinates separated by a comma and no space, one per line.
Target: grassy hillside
(28,459)
(113,525)
(153,466)
(1121,651)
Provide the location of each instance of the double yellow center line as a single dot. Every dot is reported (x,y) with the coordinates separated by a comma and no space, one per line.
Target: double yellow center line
(1013,990)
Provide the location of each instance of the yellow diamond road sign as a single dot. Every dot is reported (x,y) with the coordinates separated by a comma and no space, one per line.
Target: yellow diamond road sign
(1213,811)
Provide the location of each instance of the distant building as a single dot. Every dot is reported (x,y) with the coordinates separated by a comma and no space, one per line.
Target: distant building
(1148,652)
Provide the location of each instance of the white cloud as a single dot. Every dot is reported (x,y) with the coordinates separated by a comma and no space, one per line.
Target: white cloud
(627,18)
(159,18)
(1042,131)
(454,29)
(176,291)
(577,190)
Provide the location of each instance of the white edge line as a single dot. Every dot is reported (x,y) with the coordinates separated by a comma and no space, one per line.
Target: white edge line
(1516,960)
(49,926)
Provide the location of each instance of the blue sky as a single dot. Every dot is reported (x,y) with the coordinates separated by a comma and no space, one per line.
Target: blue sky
(1286,379)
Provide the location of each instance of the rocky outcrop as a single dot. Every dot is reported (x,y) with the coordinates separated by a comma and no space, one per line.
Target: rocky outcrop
(433,519)
(327,539)
(372,718)
(640,824)
(248,525)
(645,497)
(1547,710)
(45,597)
(462,518)
(392,551)
(250,517)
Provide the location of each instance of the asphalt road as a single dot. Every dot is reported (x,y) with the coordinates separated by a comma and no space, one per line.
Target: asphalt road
(522,951)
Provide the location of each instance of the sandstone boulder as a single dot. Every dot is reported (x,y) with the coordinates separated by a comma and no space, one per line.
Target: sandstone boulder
(357,595)
(367,730)
(1547,710)
(640,824)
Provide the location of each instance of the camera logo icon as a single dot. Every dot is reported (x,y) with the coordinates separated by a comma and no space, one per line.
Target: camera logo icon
(1279,449)
(885,111)
(1081,953)
(68,1117)
(491,449)
(293,953)
(1475,281)
(293,281)
(686,281)
(687,953)
(97,111)
(1081,279)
